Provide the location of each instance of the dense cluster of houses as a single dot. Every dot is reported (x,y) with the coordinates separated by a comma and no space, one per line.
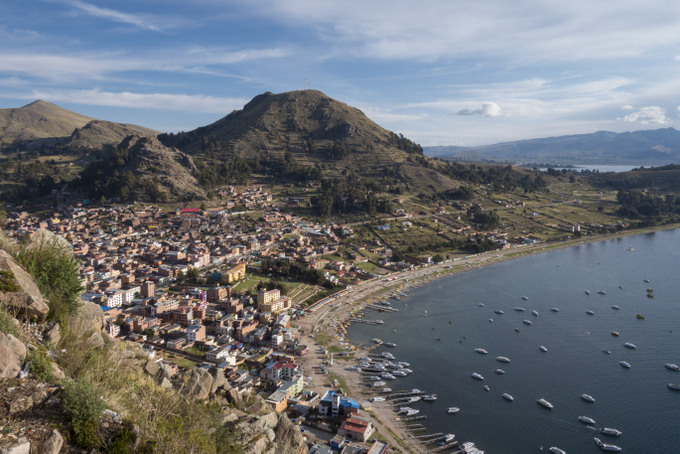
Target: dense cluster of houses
(130,263)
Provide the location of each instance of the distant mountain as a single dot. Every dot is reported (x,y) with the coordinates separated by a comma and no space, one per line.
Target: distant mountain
(41,124)
(308,135)
(647,147)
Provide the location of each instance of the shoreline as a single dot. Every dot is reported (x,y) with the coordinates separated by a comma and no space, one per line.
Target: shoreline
(325,322)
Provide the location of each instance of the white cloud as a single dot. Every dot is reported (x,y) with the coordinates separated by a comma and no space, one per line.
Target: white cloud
(158,101)
(648,115)
(143,21)
(488,109)
(627,107)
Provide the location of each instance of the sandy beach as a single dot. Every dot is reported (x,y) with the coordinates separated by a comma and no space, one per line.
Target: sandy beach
(323,325)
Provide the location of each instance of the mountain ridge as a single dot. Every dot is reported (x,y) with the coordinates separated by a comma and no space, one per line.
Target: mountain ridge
(642,147)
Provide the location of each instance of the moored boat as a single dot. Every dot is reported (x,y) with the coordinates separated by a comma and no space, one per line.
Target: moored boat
(486,388)
(586,420)
(556,450)
(500,371)
(430,397)
(587,398)
(615,307)
(520,309)
(615,333)
(545,403)
(602,292)
(477,376)
(534,313)
(673,386)
(527,322)
(630,345)
(554,309)
(508,397)
(498,311)
(607,446)
(390,344)
(449,437)
(625,364)
(451,410)
(503,359)
(610,431)
(672,366)
(481,351)
(589,312)
(640,317)
(542,348)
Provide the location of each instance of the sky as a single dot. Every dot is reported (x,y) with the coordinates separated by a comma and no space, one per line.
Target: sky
(441,72)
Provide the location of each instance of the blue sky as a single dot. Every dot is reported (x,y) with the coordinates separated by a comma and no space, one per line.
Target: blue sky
(441,72)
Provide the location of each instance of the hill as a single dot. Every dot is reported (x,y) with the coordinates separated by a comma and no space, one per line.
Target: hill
(43,125)
(142,168)
(306,135)
(38,120)
(647,147)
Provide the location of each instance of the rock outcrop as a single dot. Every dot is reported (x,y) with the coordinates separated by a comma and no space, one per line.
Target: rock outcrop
(12,355)
(44,237)
(268,434)
(21,296)
(89,318)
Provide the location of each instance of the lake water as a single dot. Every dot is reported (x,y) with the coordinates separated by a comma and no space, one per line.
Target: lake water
(602,168)
(636,401)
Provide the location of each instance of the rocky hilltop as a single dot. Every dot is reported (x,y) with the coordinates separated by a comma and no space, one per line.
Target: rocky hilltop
(142,168)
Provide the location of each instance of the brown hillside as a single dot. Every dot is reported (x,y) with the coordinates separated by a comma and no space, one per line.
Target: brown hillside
(38,120)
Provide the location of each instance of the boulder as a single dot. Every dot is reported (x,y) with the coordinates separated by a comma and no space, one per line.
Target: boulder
(234,397)
(95,340)
(12,354)
(53,334)
(53,443)
(219,380)
(89,318)
(43,237)
(24,298)
(259,406)
(197,384)
(289,436)
(152,368)
(20,446)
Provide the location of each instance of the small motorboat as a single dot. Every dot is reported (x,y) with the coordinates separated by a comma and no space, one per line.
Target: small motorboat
(554,309)
(545,403)
(625,364)
(607,446)
(674,367)
(507,397)
(503,359)
(498,311)
(451,410)
(615,307)
(615,333)
(542,348)
(527,322)
(556,450)
(640,317)
(500,371)
(630,345)
(477,376)
(534,313)
(586,420)
(587,398)
(589,312)
(481,351)
(486,388)
(610,431)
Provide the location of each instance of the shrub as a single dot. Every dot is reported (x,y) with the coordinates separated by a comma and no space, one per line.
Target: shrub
(83,408)
(41,365)
(7,282)
(7,325)
(56,273)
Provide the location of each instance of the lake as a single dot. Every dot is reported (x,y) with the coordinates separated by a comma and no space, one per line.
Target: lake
(439,326)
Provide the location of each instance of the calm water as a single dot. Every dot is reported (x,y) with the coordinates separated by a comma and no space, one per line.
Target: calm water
(635,401)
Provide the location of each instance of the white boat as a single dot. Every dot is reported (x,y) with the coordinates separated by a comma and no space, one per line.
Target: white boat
(587,292)
(542,348)
(477,376)
(615,307)
(525,298)
(507,396)
(377,340)
(589,312)
(481,351)
(481,305)
(527,322)
(555,450)
(390,344)
(449,437)
(413,399)
(451,410)
(602,292)
(586,420)
(625,364)
(500,371)
(607,446)
(630,345)
(545,403)
(503,359)
(486,388)
(387,355)
(387,376)
(610,431)
(412,412)
(386,390)
(520,309)
(498,311)
(403,364)
(672,366)
(399,373)
(554,309)
(587,398)
(534,313)
(430,397)
(377,399)
(379,383)
(673,386)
